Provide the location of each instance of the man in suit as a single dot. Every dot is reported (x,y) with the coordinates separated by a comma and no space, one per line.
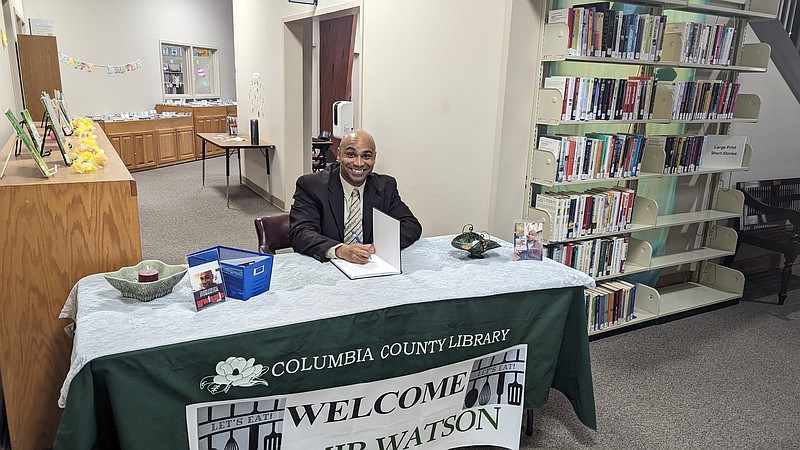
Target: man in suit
(332,212)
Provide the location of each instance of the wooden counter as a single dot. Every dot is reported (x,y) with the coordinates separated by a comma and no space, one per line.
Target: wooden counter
(207,119)
(150,143)
(55,231)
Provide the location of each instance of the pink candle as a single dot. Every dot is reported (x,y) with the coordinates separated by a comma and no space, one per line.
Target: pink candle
(146,275)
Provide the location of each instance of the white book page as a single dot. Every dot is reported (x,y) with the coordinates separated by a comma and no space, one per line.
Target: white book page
(375,267)
(386,259)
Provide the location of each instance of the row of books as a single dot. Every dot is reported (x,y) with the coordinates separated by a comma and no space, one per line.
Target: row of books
(596,257)
(702,43)
(595,211)
(691,153)
(595,156)
(586,98)
(702,99)
(596,30)
(610,303)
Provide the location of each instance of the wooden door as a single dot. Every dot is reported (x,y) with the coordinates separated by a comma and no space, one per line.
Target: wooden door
(145,148)
(39,70)
(219,125)
(185,142)
(124,145)
(336,44)
(200,126)
(167,147)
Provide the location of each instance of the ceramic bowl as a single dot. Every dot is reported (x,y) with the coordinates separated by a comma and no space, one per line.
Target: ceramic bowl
(126,281)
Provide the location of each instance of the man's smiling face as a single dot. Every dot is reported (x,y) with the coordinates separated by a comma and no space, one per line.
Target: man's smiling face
(356,157)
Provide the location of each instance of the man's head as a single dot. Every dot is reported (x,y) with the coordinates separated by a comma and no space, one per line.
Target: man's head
(356,156)
(206,279)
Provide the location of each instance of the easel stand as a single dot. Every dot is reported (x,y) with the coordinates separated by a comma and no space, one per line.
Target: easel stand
(47,129)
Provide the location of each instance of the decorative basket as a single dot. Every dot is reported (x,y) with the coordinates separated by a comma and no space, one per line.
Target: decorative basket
(125,280)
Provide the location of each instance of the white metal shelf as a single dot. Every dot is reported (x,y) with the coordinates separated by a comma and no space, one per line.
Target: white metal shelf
(676,259)
(745,9)
(728,205)
(717,284)
(722,242)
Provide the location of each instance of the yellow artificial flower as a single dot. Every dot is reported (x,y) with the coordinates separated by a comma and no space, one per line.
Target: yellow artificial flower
(89,157)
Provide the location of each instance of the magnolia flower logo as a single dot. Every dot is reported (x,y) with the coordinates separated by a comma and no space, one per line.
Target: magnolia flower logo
(234,371)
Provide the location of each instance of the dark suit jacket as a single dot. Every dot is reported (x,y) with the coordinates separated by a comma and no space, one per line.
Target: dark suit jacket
(316,220)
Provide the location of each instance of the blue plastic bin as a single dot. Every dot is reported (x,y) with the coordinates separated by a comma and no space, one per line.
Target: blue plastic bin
(241,282)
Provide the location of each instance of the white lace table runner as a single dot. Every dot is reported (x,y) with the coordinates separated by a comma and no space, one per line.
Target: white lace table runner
(302,289)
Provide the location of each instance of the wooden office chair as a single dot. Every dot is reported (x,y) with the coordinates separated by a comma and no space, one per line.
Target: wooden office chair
(273,232)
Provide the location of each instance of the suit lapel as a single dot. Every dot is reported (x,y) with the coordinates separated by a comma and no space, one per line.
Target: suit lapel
(372,199)
(336,201)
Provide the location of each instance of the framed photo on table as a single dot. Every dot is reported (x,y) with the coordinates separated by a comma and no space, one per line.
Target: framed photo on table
(528,241)
(27,142)
(38,142)
(62,102)
(207,284)
(60,105)
(50,112)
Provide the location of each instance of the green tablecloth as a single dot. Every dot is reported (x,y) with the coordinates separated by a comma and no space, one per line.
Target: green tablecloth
(137,399)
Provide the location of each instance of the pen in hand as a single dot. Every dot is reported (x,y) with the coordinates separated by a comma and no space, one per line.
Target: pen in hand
(358,239)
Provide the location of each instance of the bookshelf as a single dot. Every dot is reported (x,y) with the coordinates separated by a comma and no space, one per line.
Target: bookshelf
(704,53)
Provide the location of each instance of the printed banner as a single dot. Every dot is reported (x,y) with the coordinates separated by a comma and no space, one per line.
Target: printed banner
(473,402)
(89,67)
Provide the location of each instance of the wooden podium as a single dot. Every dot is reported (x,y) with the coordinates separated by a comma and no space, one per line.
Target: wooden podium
(55,231)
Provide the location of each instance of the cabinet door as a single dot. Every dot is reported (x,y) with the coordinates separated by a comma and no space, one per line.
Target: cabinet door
(201,125)
(220,124)
(145,150)
(167,147)
(185,142)
(124,145)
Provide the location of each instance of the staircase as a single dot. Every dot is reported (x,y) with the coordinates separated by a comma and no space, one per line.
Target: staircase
(783,36)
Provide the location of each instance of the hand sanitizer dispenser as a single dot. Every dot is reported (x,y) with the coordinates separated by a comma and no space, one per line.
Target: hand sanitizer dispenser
(342,118)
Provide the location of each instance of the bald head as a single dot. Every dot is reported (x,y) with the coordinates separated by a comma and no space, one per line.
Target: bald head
(360,136)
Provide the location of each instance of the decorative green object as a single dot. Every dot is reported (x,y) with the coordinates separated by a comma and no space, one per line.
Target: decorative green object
(126,281)
(474,243)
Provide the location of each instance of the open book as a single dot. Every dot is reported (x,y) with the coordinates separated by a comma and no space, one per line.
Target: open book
(386,259)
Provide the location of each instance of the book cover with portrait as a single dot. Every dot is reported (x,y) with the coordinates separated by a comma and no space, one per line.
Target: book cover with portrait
(528,241)
(207,285)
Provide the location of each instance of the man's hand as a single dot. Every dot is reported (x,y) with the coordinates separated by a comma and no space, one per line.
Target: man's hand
(355,253)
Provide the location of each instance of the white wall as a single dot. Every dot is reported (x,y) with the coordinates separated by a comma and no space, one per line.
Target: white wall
(7,73)
(433,93)
(776,153)
(431,84)
(119,32)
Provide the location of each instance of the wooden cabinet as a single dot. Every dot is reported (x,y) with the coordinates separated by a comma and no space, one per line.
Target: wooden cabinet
(55,231)
(207,119)
(145,144)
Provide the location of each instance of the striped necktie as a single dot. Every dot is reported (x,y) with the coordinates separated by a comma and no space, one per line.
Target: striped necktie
(353,224)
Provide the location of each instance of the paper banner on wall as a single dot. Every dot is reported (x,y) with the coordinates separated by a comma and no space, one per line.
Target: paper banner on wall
(256,96)
(89,67)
